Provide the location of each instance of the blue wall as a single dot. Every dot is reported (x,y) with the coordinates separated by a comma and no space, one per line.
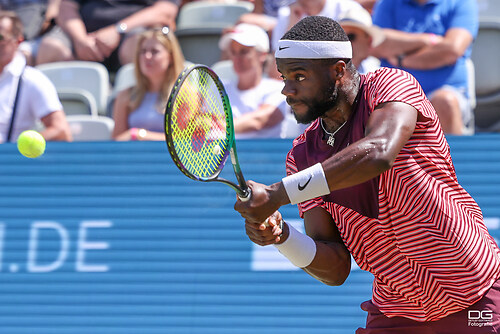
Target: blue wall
(111,238)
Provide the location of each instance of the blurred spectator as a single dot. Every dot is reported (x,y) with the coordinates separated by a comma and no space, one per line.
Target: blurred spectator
(183,2)
(139,111)
(270,7)
(289,15)
(103,30)
(265,14)
(367,4)
(357,23)
(258,106)
(432,40)
(26,95)
(37,16)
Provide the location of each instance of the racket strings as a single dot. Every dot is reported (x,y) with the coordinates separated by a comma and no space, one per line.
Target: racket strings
(199,125)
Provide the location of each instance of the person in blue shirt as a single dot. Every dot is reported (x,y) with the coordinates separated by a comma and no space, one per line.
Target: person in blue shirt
(432,39)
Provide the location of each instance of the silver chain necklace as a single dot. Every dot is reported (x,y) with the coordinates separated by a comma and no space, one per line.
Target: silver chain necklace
(331,138)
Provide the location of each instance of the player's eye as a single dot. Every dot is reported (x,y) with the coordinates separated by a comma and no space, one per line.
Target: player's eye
(300,77)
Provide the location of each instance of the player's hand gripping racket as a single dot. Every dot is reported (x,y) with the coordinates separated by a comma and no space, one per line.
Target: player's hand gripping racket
(199,128)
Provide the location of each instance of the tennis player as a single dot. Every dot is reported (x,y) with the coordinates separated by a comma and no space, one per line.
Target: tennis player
(373,177)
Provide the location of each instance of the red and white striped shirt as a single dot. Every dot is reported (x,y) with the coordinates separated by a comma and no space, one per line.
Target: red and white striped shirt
(414,227)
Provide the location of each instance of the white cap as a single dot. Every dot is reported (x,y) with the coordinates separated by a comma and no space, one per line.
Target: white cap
(359,17)
(247,35)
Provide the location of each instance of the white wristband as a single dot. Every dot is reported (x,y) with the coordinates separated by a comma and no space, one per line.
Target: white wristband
(299,248)
(306,184)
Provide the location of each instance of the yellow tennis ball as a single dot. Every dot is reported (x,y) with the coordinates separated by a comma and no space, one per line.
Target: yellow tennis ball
(31,144)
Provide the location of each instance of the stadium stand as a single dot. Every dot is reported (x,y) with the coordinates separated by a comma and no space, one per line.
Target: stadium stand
(124,79)
(110,238)
(200,25)
(77,101)
(83,81)
(91,128)
(487,75)
(488,8)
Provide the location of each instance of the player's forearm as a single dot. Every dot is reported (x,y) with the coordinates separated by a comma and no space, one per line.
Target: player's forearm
(331,265)
(278,195)
(390,127)
(358,163)
(327,261)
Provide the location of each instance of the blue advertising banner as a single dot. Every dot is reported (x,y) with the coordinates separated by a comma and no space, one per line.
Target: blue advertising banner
(108,237)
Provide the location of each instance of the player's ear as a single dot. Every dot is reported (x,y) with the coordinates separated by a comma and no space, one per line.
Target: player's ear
(339,69)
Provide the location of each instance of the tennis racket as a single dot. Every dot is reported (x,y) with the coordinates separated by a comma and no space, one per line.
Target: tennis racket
(199,128)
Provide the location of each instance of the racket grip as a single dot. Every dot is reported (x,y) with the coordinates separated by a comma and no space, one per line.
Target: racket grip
(246,195)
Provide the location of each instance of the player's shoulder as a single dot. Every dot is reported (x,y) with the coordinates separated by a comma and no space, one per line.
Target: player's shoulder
(386,71)
(388,77)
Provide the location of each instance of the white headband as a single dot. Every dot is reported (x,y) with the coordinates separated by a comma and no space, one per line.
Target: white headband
(313,49)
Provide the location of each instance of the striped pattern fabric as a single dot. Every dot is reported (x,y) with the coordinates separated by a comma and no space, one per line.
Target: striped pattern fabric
(429,250)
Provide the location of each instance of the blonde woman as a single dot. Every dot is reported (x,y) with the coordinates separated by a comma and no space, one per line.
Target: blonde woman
(138,111)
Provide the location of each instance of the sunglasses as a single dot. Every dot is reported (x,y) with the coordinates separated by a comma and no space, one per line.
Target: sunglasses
(352,37)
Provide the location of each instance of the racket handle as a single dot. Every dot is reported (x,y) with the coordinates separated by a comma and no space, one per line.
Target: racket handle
(246,195)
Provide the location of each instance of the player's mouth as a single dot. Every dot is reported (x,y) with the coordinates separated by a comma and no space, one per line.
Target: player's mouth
(294,104)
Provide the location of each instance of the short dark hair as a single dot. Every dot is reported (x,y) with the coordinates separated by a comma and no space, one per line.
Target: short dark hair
(316,28)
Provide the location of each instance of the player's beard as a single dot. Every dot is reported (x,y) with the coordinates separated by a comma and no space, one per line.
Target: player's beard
(317,107)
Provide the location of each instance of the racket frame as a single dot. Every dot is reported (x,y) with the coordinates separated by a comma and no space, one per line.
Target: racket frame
(241,188)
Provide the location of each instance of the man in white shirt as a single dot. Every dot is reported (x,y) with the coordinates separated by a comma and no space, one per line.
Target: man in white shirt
(35,94)
(258,106)
(289,15)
